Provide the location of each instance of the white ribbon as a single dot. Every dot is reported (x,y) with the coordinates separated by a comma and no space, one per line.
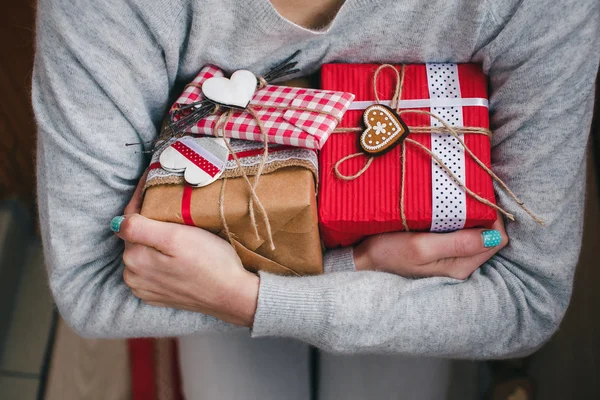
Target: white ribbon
(425,103)
(448,199)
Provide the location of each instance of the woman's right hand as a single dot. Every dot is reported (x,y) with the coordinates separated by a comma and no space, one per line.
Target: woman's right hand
(417,254)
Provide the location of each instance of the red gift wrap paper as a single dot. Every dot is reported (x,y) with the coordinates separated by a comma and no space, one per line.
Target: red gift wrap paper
(370,204)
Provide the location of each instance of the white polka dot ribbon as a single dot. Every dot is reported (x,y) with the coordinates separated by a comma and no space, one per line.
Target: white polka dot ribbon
(449,210)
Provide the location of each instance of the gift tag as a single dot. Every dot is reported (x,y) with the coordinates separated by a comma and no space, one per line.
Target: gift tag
(384,130)
(236,91)
(202,160)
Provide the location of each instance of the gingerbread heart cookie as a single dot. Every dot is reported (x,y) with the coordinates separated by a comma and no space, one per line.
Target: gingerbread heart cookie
(384,130)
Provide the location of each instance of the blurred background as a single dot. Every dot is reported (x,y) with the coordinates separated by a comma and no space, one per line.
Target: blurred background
(41,358)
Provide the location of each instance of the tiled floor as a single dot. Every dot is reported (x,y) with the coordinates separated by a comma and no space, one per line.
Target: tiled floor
(13,388)
(29,329)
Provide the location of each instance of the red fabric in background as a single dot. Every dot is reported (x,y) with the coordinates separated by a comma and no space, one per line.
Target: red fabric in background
(141,358)
(178,386)
(144,365)
(351,210)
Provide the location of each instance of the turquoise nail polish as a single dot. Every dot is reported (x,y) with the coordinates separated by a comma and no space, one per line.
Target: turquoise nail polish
(115,224)
(491,238)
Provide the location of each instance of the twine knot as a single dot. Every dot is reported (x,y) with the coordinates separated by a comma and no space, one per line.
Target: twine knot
(262,82)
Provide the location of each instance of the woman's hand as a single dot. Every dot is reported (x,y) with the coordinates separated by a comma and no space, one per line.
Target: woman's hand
(455,255)
(184,267)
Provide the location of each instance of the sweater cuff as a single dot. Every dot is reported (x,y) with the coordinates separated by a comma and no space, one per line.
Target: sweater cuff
(298,308)
(339,260)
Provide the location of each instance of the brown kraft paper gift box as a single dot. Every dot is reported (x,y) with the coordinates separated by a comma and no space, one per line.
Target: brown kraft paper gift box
(286,190)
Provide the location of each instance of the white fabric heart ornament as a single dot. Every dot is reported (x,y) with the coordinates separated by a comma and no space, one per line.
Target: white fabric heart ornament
(202,160)
(236,91)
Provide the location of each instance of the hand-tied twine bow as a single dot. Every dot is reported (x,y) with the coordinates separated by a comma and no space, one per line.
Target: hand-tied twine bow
(222,122)
(254,199)
(444,129)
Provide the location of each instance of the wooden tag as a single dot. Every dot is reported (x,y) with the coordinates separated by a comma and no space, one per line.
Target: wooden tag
(236,91)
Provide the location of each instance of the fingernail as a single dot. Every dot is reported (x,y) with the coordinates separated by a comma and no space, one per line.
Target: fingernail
(491,238)
(115,224)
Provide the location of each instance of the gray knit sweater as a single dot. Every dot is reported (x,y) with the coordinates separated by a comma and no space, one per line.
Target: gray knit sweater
(106,71)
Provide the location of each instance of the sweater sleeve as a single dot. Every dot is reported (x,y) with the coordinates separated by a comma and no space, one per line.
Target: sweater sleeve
(338,260)
(100,80)
(542,65)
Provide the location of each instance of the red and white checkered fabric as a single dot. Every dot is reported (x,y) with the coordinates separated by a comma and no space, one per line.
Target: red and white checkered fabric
(301,128)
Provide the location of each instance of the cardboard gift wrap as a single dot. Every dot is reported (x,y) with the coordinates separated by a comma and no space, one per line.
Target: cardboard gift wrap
(373,203)
(286,190)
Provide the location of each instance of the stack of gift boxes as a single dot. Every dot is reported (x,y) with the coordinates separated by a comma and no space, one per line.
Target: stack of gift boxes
(283,172)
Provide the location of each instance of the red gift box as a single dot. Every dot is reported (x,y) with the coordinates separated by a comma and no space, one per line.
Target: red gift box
(349,210)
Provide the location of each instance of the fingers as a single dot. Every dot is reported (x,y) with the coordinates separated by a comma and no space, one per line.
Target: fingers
(143,260)
(455,254)
(463,243)
(140,272)
(148,293)
(463,267)
(425,248)
(135,204)
(457,268)
(499,226)
(163,236)
(147,296)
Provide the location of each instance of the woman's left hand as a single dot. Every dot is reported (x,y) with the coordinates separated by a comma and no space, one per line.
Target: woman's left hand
(184,267)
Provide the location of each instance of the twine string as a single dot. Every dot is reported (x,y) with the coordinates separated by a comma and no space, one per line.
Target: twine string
(445,129)
(221,123)
(425,129)
(495,177)
(356,175)
(263,134)
(262,82)
(219,130)
(259,172)
(222,211)
(399,83)
(402,186)
(458,182)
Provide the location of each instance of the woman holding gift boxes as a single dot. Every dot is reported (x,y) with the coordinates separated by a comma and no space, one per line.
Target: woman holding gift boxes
(104,75)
